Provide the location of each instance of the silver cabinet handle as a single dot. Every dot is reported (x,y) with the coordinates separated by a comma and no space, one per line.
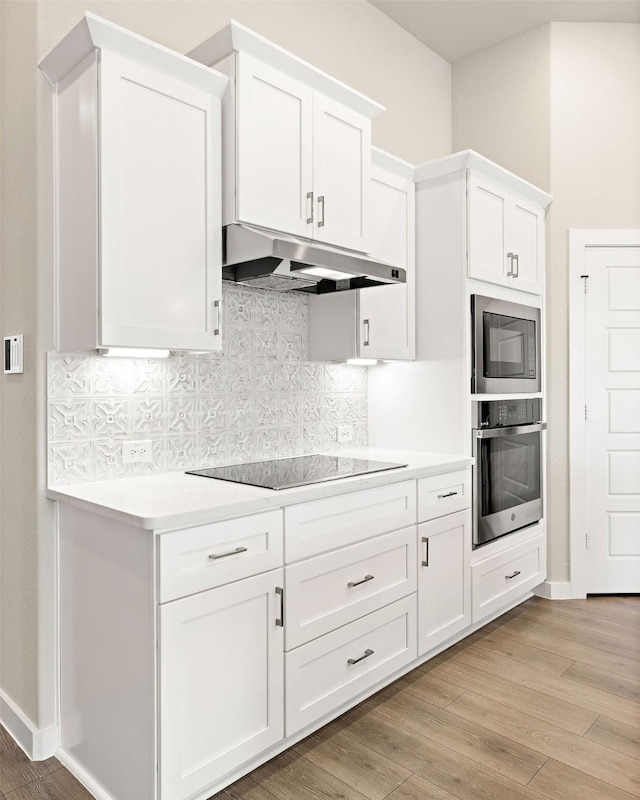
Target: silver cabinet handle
(217,305)
(515,263)
(215,556)
(448,494)
(321,203)
(513,575)
(280,620)
(425,541)
(365,325)
(367,653)
(310,206)
(510,273)
(366,578)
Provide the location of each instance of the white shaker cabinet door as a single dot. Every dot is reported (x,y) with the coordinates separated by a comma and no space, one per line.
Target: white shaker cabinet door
(488,226)
(444,579)
(527,244)
(160,264)
(341,174)
(274,119)
(221,682)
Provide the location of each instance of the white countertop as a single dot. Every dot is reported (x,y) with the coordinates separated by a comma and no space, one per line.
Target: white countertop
(170,500)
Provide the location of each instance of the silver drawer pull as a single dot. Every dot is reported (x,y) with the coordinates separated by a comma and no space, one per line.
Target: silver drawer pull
(448,494)
(280,619)
(366,578)
(513,575)
(425,542)
(367,653)
(214,556)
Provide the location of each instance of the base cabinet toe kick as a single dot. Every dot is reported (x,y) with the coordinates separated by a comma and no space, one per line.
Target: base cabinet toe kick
(208,650)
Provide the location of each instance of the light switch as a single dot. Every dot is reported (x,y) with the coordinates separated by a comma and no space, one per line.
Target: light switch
(14,354)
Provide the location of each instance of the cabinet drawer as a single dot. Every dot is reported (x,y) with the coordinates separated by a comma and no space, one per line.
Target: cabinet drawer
(313,528)
(330,671)
(200,558)
(331,590)
(443,494)
(498,580)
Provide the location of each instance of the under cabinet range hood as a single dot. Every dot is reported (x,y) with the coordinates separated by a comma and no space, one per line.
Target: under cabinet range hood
(271,260)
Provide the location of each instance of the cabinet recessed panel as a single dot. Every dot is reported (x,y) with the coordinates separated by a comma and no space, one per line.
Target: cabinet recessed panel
(624,411)
(624,349)
(624,534)
(624,472)
(487,246)
(163,220)
(624,288)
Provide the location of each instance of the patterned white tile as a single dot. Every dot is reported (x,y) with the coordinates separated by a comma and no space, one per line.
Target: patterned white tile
(354,407)
(267,377)
(181,414)
(157,460)
(68,375)
(240,411)
(330,436)
(212,376)
(266,443)
(312,408)
(239,342)
(335,378)
(110,418)
(238,306)
(332,408)
(290,441)
(312,438)
(289,377)
(291,311)
(212,413)
(148,417)
(239,446)
(181,452)
(266,308)
(68,420)
(212,449)
(240,377)
(290,346)
(106,459)
(312,377)
(149,375)
(290,409)
(266,343)
(111,376)
(360,434)
(182,375)
(266,410)
(69,463)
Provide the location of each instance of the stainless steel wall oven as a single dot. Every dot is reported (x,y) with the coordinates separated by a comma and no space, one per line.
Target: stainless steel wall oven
(506,347)
(507,444)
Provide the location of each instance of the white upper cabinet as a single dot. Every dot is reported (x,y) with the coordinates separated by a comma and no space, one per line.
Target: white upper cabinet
(296,142)
(138,180)
(377,322)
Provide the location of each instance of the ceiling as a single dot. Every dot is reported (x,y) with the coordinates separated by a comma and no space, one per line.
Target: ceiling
(458,28)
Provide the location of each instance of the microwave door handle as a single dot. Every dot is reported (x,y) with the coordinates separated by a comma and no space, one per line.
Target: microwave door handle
(494,433)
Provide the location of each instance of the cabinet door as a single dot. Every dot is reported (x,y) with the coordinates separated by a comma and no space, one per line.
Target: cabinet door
(444,579)
(387,313)
(341,174)
(488,230)
(527,243)
(160,236)
(221,682)
(274,120)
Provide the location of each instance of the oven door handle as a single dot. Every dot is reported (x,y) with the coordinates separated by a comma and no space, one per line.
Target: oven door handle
(492,433)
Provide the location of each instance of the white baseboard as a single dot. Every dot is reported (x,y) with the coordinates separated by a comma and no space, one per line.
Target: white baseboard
(555,590)
(37,743)
(85,778)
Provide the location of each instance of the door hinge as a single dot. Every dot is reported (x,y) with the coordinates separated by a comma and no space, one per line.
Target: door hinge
(586,413)
(586,541)
(585,278)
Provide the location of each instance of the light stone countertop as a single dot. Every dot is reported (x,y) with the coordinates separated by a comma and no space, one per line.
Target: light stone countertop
(173,500)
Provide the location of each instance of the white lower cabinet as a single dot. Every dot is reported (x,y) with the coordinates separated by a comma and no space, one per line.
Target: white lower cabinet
(221,682)
(444,579)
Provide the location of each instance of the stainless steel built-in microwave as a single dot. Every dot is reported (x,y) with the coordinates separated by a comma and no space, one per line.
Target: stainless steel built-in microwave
(506,347)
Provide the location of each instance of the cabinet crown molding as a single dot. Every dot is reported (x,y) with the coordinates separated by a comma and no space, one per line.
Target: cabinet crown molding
(384,160)
(237,38)
(95,33)
(469,159)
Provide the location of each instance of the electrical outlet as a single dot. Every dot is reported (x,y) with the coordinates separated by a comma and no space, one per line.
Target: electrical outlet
(345,433)
(139,452)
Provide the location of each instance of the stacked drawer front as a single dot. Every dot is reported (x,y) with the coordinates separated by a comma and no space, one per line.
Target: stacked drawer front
(350,609)
(443,494)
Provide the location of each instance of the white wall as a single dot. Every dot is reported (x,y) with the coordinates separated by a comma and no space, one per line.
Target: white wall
(348,38)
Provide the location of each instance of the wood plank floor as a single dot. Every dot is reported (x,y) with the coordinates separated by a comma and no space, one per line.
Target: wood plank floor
(541,704)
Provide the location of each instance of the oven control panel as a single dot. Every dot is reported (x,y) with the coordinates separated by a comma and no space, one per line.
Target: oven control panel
(506,413)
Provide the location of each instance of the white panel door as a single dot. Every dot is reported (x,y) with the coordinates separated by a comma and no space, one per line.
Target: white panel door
(160,237)
(274,149)
(527,245)
(387,313)
(612,366)
(221,682)
(341,174)
(488,230)
(444,579)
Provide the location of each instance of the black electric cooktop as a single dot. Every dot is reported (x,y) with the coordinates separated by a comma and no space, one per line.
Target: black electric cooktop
(285,473)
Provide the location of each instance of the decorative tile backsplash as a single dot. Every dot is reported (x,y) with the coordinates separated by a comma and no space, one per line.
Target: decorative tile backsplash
(259,398)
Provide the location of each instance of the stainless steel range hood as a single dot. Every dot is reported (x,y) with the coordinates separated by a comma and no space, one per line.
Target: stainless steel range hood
(270,260)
